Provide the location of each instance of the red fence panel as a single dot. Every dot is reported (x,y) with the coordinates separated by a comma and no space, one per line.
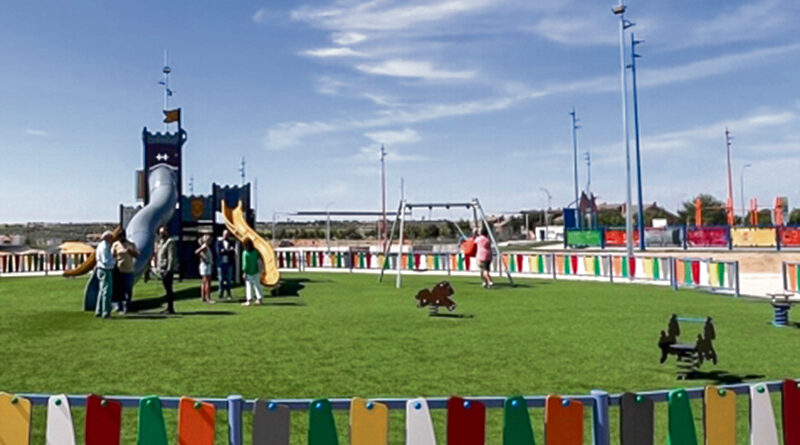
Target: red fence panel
(790,236)
(707,236)
(618,237)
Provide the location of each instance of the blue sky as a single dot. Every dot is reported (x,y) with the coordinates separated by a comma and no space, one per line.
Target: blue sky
(471,98)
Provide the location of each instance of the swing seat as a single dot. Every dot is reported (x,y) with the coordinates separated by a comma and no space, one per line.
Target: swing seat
(468,247)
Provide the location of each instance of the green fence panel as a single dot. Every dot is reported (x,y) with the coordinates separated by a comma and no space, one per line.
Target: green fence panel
(585,238)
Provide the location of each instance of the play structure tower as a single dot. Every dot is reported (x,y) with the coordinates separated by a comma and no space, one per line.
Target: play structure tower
(163,159)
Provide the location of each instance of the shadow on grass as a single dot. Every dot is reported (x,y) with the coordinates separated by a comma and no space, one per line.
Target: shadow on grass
(506,285)
(153,303)
(282,303)
(290,287)
(163,316)
(452,315)
(268,301)
(722,377)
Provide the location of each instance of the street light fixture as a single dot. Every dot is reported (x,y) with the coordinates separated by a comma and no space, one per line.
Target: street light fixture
(549,197)
(549,204)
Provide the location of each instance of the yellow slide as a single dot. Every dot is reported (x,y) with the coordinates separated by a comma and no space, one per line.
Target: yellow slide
(236,223)
(88,265)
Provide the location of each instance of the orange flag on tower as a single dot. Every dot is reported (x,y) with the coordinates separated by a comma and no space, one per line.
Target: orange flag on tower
(172,115)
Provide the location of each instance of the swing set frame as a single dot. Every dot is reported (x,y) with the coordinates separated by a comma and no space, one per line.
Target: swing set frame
(405,207)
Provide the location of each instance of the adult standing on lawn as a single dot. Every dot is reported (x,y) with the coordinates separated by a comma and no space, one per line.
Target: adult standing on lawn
(250,273)
(484,257)
(105,275)
(124,252)
(167,265)
(226,256)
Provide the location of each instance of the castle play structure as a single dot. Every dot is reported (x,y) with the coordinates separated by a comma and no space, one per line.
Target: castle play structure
(188,217)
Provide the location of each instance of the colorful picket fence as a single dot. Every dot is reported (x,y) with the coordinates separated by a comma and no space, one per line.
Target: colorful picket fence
(791,276)
(701,273)
(39,263)
(465,417)
(707,273)
(704,273)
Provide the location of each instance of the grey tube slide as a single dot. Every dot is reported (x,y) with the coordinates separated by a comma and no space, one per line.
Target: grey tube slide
(141,230)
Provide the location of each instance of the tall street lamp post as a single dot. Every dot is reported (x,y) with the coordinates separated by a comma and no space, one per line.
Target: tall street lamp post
(623,25)
(640,214)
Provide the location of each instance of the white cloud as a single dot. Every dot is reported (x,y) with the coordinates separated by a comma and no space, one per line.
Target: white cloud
(289,134)
(35,132)
(782,147)
(413,69)
(712,66)
(348,38)
(329,86)
(405,136)
(373,15)
(333,52)
(667,75)
(372,154)
(695,138)
(262,15)
(750,21)
(379,99)
(688,138)
(573,30)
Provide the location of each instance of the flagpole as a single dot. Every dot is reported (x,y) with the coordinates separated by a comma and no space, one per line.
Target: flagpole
(165,81)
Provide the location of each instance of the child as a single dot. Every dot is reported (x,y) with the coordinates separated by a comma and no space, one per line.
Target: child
(484,257)
(206,258)
(250,273)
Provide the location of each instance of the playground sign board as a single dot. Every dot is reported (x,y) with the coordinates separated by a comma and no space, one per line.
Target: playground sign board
(754,237)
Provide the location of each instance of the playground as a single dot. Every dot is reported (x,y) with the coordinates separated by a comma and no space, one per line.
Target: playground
(346,335)
(355,342)
(364,321)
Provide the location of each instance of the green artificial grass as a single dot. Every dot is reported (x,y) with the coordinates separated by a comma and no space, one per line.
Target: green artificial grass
(348,335)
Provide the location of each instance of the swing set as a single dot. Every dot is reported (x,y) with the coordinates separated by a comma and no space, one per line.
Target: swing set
(406,208)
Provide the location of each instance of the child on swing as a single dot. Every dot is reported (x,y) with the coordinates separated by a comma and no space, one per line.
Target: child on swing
(484,256)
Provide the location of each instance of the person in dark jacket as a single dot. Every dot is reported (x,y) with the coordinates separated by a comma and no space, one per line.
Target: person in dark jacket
(167,265)
(225,249)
